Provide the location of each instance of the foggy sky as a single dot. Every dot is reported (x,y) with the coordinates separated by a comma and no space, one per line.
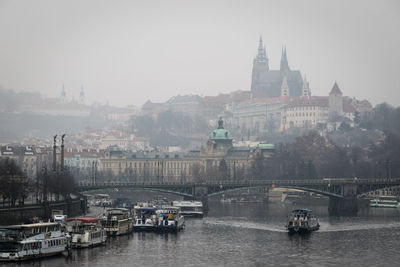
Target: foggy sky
(126,52)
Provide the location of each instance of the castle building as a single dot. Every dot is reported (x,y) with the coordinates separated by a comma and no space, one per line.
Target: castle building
(259,115)
(269,83)
(318,111)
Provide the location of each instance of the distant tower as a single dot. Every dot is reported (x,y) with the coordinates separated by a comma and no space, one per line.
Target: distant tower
(284,87)
(82,96)
(260,66)
(284,61)
(335,102)
(63,95)
(306,87)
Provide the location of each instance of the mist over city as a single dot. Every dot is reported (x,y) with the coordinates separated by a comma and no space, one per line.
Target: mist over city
(271,122)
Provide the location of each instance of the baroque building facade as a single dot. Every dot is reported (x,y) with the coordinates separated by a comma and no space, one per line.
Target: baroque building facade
(219,159)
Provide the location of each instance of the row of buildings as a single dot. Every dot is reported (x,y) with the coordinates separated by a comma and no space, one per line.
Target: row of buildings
(218,159)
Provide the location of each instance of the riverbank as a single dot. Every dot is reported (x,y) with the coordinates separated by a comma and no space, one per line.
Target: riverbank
(26,213)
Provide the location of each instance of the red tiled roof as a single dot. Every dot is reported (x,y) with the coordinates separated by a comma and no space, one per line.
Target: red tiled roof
(221,98)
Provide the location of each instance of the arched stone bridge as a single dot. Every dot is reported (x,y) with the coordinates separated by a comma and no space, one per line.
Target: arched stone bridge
(343,193)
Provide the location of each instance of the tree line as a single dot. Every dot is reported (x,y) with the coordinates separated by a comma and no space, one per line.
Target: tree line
(15,187)
(315,156)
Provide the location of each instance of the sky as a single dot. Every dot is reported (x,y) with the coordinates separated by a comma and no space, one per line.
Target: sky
(128,52)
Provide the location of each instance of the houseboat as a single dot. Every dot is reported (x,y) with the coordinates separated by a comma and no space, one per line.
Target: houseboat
(117,221)
(86,232)
(385,202)
(31,241)
(302,221)
(145,218)
(190,208)
(169,219)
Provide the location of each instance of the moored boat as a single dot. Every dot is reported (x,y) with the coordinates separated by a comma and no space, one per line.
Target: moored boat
(31,241)
(385,202)
(86,232)
(145,218)
(169,219)
(302,221)
(117,221)
(190,208)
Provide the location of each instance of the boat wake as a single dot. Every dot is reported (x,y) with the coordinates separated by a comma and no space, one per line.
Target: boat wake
(345,227)
(247,225)
(324,227)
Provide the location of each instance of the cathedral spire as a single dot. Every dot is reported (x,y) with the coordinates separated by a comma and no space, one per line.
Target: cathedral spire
(63,94)
(284,61)
(261,53)
(82,95)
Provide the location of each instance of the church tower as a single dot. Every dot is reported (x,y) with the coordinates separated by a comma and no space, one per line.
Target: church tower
(335,102)
(284,61)
(82,95)
(63,95)
(260,66)
(306,87)
(284,87)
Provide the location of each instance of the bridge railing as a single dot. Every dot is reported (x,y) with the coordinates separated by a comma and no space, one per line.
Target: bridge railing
(249,182)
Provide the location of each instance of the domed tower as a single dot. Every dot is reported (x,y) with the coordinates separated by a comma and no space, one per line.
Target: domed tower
(219,139)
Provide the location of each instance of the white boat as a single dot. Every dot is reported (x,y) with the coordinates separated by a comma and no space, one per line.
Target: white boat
(302,221)
(169,219)
(190,208)
(86,232)
(31,241)
(145,218)
(385,202)
(117,221)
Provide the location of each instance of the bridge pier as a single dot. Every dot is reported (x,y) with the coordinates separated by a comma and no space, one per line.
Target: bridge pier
(346,205)
(201,194)
(343,206)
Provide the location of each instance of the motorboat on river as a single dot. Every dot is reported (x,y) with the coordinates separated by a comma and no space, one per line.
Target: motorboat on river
(117,221)
(169,219)
(385,202)
(302,221)
(190,208)
(31,241)
(86,232)
(144,218)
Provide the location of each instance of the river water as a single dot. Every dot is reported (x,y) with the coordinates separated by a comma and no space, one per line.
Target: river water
(252,235)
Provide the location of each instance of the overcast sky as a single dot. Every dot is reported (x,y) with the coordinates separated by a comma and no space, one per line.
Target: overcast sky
(127,52)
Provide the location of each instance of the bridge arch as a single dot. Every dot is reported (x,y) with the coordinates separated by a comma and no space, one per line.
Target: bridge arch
(324,193)
(162,190)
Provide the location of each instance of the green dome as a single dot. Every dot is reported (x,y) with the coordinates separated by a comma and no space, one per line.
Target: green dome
(219,134)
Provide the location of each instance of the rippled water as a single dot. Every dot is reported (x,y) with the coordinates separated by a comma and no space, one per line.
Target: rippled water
(253,235)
